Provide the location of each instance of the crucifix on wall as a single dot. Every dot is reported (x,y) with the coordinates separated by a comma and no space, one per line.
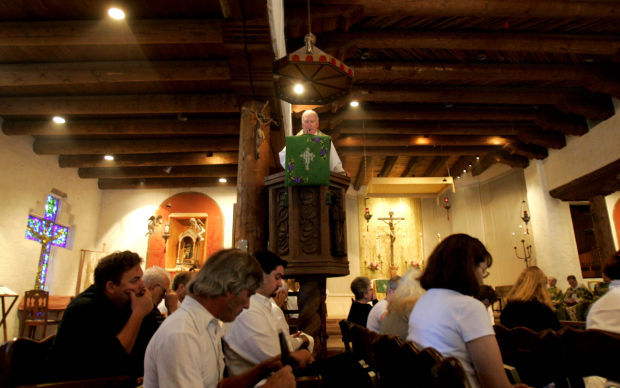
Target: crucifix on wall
(391,221)
(47,232)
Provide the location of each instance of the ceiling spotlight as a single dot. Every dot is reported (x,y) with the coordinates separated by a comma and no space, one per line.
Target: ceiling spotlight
(354,103)
(298,88)
(116,13)
(108,157)
(469,165)
(59,120)
(222,180)
(458,177)
(464,170)
(167,169)
(477,157)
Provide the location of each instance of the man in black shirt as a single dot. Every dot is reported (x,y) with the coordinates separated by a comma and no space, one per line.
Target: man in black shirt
(104,331)
(360,286)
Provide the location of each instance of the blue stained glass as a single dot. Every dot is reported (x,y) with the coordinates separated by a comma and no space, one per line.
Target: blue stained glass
(61,234)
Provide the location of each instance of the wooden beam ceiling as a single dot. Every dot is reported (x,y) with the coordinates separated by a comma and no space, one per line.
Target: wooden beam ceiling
(201,171)
(138,160)
(601,182)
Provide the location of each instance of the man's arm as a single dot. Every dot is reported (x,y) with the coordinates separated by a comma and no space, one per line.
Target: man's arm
(335,164)
(141,306)
(253,337)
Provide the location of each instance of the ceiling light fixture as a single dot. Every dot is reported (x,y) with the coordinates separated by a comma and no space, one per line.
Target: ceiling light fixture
(108,157)
(116,13)
(222,180)
(59,120)
(298,89)
(477,157)
(354,104)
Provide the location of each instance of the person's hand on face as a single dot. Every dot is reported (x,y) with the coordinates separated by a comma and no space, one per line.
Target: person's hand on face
(141,304)
(280,297)
(171,301)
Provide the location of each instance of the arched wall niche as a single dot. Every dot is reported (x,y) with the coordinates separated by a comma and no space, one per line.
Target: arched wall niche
(185,217)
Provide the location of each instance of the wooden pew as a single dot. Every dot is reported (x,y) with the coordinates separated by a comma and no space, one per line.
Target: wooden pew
(23,363)
(563,357)
(401,363)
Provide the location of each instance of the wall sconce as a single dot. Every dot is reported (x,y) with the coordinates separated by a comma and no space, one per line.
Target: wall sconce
(367,216)
(447,206)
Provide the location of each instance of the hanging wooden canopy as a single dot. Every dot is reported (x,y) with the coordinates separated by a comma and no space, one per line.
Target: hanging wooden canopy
(323,77)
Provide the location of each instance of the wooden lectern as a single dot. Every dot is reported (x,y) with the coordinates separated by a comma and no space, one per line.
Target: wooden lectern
(307,228)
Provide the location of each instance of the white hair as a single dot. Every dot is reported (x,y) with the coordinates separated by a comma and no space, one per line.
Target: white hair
(155,274)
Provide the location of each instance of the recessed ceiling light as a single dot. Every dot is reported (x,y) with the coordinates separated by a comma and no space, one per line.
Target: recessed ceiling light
(464,170)
(298,88)
(354,103)
(222,180)
(108,157)
(116,13)
(58,120)
(477,157)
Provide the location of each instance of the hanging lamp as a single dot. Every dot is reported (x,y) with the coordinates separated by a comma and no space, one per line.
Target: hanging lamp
(309,76)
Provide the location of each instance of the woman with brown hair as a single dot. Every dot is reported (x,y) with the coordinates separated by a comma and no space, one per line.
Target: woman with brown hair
(448,317)
(529,303)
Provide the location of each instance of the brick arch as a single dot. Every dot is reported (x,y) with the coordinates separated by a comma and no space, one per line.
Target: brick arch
(189,202)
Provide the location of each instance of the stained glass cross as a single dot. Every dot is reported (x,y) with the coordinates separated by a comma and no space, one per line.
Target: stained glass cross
(46,232)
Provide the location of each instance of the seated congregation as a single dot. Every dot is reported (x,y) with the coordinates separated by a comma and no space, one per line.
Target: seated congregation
(224,326)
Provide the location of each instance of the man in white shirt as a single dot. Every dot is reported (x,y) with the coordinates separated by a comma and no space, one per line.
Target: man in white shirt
(186,351)
(310,126)
(254,334)
(375,316)
(605,312)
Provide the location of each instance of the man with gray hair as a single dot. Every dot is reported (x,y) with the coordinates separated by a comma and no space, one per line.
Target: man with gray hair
(375,316)
(186,351)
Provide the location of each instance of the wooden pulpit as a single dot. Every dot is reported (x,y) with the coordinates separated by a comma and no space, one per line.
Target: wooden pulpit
(307,228)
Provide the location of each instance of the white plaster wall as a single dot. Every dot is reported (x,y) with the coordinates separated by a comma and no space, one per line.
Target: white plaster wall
(125,213)
(27,180)
(611,201)
(584,154)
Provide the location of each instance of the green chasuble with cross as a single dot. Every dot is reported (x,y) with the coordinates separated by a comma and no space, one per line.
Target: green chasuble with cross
(307,160)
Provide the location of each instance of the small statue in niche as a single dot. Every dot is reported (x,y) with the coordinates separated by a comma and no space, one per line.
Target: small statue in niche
(188,251)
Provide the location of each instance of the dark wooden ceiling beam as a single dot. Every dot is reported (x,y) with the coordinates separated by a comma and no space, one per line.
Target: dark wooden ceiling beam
(410,168)
(104,32)
(418,150)
(83,73)
(546,118)
(475,41)
(404,140)
(120,104)
(204,171)
(486,8)
(461,166)
(164,159)
(547,139)
(530,151)
(590,77)
(388,165)
(171,126)
(433,128)
(603,181)
(161,183)
(436,165)
(499,156)
(361,176)
(569,100)
(47,146)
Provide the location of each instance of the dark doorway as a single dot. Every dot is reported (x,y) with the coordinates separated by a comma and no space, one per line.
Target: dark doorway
(586,244)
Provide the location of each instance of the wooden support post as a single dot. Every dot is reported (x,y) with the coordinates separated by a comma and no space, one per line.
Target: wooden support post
(313,312)
(602,228)
(251,208)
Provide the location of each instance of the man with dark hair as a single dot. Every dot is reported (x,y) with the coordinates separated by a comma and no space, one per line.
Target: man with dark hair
(179,283)
(360,287)
(186,351)
(254,334)
(605,312)
(577,299)
(103,332)
(375,316)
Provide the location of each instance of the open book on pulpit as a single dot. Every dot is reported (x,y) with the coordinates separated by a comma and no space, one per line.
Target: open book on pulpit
(307,160)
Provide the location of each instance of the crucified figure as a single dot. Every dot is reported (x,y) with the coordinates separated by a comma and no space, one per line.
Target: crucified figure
(392,221)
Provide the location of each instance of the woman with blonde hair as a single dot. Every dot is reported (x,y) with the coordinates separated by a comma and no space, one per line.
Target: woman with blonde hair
(529,303)
(396,320)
